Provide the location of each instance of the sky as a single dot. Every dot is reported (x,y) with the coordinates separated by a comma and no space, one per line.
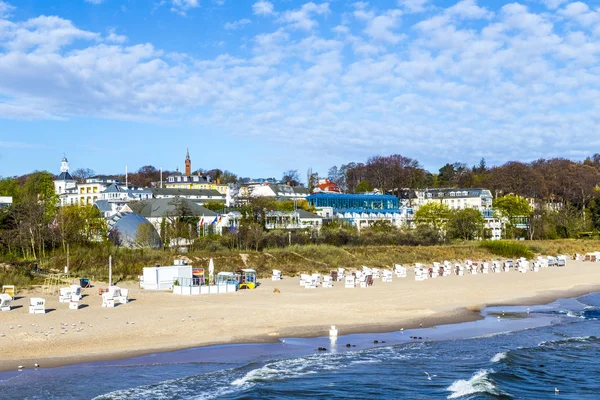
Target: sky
(260,87)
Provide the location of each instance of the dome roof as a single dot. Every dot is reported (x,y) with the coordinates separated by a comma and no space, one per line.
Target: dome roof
(133,231)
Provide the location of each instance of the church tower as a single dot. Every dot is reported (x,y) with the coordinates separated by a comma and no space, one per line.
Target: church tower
(188,163)
(65,180)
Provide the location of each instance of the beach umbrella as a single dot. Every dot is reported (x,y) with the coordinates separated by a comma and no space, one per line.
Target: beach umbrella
(211,271)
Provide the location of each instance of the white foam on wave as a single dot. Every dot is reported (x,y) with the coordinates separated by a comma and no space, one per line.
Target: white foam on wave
(479,383)
(574,315)
(498,357)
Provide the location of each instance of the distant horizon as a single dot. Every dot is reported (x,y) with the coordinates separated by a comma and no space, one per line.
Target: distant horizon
(265,86)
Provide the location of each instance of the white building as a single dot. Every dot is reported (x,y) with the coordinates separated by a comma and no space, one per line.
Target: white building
(5,201)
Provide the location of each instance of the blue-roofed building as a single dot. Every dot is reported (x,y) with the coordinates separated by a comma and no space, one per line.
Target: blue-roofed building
(360,210)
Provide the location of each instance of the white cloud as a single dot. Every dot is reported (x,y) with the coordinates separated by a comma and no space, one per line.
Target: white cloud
(414,6)
(302,17)
(553,4)
(430,86)
(235,25)
(113,37)
(468,9)
(94,1)
(263,7)
(381,27)
(5,9)
(182,6)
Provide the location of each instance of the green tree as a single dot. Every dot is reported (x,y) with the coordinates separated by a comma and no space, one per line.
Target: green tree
(40,186)
(465,224)
(364,186)
(433,214)
(512,208)
(10,187)
(595,213)
(214,205)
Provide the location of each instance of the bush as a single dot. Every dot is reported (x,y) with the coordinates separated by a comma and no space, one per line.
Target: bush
(507,248)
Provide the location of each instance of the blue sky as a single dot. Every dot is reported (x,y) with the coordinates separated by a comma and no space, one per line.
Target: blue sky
(259,87)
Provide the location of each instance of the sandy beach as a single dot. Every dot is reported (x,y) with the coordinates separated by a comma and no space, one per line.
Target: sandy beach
(161,321)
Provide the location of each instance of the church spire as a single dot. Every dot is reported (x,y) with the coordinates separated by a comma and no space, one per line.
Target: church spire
(64,166)
(188,163)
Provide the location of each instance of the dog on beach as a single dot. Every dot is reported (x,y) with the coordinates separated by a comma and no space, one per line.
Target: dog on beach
(276,290)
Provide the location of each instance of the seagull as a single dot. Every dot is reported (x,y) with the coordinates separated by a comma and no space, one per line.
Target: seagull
(20,367)
(429,376)
(36,365)
(556,391)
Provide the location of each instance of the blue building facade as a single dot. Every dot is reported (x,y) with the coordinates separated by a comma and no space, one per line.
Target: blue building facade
(355,202)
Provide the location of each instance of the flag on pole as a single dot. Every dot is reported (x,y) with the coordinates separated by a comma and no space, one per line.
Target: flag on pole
(215,221)
(202,221)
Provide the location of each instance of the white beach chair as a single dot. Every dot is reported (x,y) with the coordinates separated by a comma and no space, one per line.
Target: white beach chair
(108,300)
(386,276)
(65,295)
(75,292)
(400,271)
(485,268)
(535,266)
(363,281)
(5,300)
(124,297)
(115,291)
(376,272)
(327,282)
(276,275)
(522,266)
(551,261)
(561,261)
(73,305)
(37,305)
(304,279)
(349,282)
(341,275)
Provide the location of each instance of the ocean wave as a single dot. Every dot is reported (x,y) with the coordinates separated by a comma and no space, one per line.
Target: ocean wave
(480,382)
(498,357)
(190,387)
(576,339)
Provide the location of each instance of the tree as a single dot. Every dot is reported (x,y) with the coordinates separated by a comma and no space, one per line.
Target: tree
(145,236)
(465,224)
(292,177)
(40,186)
(364,186)
(10,187)
(81,174)
(433,214)
(595,213)
(512,207)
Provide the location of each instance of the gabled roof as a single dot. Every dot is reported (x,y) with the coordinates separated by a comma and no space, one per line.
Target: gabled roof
(103,205)
(307,215)
(186,192)
(159,208)
(65,176)
(289,190)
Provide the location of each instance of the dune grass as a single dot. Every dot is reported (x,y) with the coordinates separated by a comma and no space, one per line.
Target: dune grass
(92,262)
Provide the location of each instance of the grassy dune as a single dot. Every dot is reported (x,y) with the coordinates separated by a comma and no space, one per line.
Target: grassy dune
(292,261)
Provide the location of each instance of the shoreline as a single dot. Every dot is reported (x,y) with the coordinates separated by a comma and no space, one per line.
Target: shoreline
(160,322)
(457,316)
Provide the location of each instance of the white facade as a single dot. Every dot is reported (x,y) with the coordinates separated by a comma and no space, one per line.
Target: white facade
(5,201)
(457,199)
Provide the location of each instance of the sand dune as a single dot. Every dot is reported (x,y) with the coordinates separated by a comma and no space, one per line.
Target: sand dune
(159,321)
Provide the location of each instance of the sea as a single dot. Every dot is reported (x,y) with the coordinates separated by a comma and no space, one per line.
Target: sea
(547,351)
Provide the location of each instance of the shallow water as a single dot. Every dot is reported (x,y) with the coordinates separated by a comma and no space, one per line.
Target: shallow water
(524,354)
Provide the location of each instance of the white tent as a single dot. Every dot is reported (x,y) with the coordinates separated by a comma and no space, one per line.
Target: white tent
(162,278)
